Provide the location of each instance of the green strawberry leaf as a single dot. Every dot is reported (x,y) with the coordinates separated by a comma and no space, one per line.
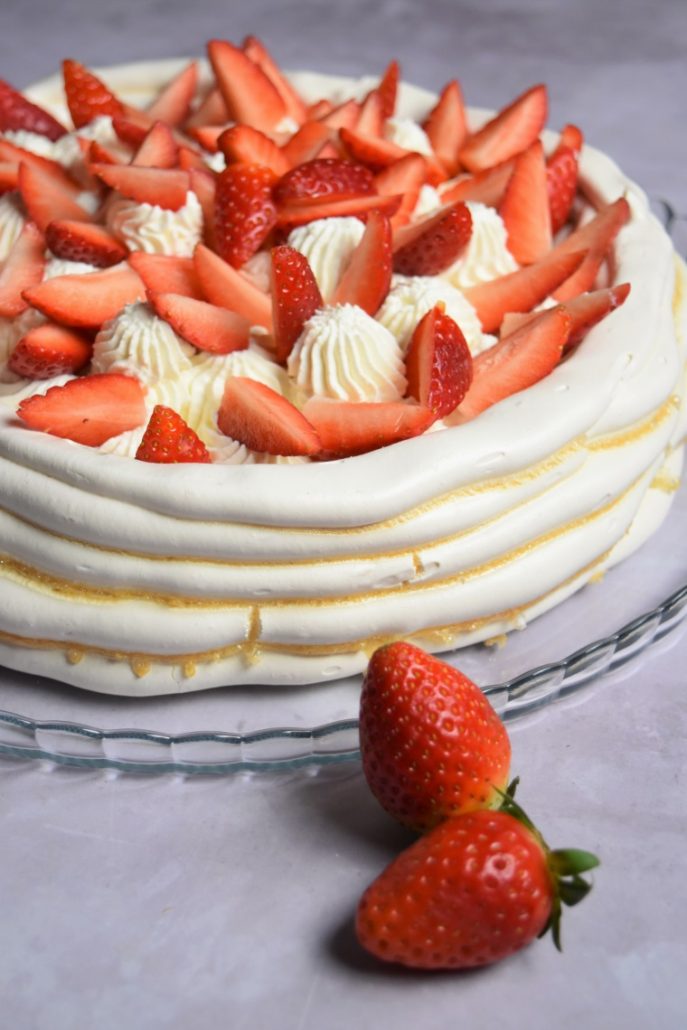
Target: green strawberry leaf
(572,861)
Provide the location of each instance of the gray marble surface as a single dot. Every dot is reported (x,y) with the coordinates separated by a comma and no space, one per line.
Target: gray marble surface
(208,903)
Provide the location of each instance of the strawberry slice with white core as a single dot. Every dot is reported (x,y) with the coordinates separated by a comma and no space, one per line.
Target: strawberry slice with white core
(367,277)
(256,50)
(486,187)
(430,246)
(250,95)
(17,113)
(46,200)
(525,207)
(589,308)
(245,212)
(517,361)
(246,145)
(22,269)
(438,363)
(404,178)
(86,301)
(167,273)
(206,326)
(346,428)
(324,178)
(512,130)
(264,421)
(49,350)
(228,288)
(295,297)
(300,212)
(168,440)
(307,143)
(446,126)
(598,236)
(84,241)
(161,187)
(87,95)
(521,290)
(158,149)
(88,410)
(173,102)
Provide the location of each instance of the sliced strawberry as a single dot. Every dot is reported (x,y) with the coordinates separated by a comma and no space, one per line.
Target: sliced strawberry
(446,127)
(168,440)
(525,207)
(430,246)
(173,102)
(162,187)
(388,88)
(589,308)
(249,146)
(404,178)
(571,137)
(9,176)
(22,269)
(211,111)
(190,158)
(10,152)
(513,129)
(256,50)
(295,297)
(17,113)
(561,176)
(597,235)
(245,212)
(319,109)
(307,143)
(46,200)
(88,410)
(207,327)
(521,290)
(158,149)
(130,132)
(324,177)
(248,92)
(347,428)
(95,153)
(517,361)
(438,363)
(166,273)
(486,187)
(87,96)
(50,350)
(329,151)
(228,288)
(84,241)
(300,212)
(204,184)
(86,301)
(208,136)
(379,153)
(344,115)
(264,421)
(371,115)
(367,277)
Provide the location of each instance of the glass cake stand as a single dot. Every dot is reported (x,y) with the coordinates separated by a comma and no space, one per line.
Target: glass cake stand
(232,729)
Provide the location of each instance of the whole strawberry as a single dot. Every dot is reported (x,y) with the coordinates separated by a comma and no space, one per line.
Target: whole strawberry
(431,743)
(471,892)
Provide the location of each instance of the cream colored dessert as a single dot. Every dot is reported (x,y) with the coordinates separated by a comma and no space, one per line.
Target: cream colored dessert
(131,578)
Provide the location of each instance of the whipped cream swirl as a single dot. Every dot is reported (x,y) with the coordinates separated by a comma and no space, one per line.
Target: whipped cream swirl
(412,296)
(154,229)
(139,343)
(328,244)
(486,255)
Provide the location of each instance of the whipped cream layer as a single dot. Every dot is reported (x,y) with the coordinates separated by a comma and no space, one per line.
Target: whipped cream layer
(130,578)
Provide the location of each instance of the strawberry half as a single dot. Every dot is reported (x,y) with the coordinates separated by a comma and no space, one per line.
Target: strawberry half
(88,410)
(207,327)
(430,246)
(169,440)
(17,113)
(324,178)
(264,421)
(371,116)
(84,241)
(161,187)
(246,145)
(517,361)
(173,102)
(388,88)
(294,105)
(307,143)
(87,96)
(512,130)
(86,301)
(21,270)
(245,211)
(367,277)
(295,298)
(446,127)
(525,207)
(250,95)
(228,288)
(347,428)
(50,350)
(46,199)
(166,273)
(561,184)
(438,363)
(404,178)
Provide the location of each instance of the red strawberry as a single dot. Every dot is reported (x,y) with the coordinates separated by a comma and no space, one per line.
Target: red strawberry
(431,245)
(295,297)
(13,154)
(388,88)
(166,273)
(129,131)
(88,410)
(572,138)
(264,421)
(379,153)
(438,363)
(84,241)
(166,187)
(486,187)
(204,184)
(9,176)
(597,235)
(258,53)
(561,178)
(95,153)
(46,199)
(49,350)
(589,308)
(299,212)
(207,327)
(189,158)
(87,95)
(367,276)
(344,115)
(158,148)
(371,115)
(525,207)
(243,144)
(517,361)
(245,212)
(228,288)
(86,301)
(521,290)
(346,428)
(431,743)
(16,113)
(513,129)
(208,136)
(324,178)
(446,127)
(307,143)
(173,102)
(22,269)
(471,892)
(211,111)
(169,440)
(404,178)
(250,95)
